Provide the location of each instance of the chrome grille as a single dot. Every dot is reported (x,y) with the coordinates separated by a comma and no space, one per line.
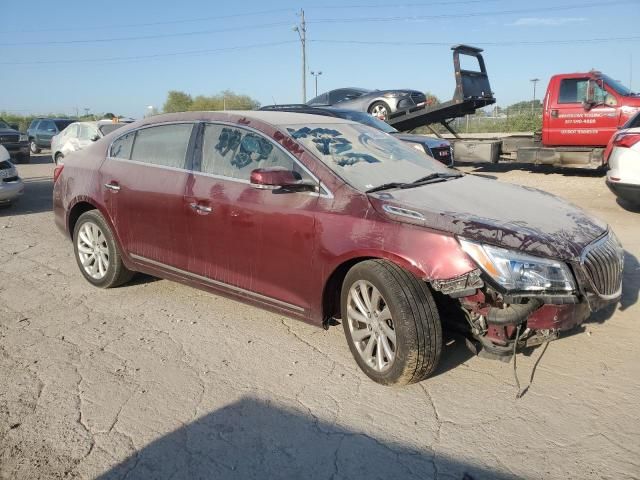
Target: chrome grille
(9,138)
(603,262)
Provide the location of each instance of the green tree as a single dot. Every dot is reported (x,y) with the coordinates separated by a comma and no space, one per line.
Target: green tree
(177,102)
(432,100)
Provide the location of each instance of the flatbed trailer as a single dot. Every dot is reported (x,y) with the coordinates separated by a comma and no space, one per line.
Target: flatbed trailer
(581,113)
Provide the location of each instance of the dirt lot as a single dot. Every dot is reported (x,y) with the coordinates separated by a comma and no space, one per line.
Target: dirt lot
(156,380)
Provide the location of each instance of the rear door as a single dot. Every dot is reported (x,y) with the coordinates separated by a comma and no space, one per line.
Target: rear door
(258,243)
(570,123)
(144,180)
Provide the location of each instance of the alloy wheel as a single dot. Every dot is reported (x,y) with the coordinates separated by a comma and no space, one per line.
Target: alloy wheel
(93,250)
(371,326)
(379,111)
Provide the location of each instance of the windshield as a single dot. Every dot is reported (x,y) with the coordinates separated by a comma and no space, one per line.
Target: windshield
(362,156)
(617,86)
(4,124)
(366,119)
(107,128)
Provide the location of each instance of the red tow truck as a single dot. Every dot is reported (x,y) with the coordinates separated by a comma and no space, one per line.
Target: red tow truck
(581,112)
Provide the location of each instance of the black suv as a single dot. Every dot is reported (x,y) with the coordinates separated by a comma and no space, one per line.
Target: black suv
(16,143)
(438,148)
(42,130)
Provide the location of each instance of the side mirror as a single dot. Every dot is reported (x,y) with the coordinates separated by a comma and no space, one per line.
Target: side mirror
(587,104)
(95,138)
(277,178)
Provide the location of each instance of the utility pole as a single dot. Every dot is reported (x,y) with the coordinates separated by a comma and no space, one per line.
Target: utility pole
(86,111)
(316,74)
(534,81)
(302,33)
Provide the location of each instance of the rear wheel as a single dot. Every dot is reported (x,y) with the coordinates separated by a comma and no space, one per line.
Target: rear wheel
(33,146)
(380,110)
(391,323)
(96,252)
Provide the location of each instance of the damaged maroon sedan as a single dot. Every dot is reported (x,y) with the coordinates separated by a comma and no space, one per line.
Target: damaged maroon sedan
(320,218)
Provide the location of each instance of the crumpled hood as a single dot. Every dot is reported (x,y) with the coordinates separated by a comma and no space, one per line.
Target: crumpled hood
(502,214)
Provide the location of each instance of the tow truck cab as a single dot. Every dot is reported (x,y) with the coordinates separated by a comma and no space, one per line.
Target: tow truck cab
(585,109)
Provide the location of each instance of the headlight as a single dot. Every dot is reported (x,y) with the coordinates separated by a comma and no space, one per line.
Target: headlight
(24,137)
(394,94)
(517,271)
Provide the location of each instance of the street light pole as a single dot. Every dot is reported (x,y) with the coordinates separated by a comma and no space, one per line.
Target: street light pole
(302,33)
(316,75)
(534,81)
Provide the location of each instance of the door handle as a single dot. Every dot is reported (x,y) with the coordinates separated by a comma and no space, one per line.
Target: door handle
(201,208)
(554,113)
(112,186)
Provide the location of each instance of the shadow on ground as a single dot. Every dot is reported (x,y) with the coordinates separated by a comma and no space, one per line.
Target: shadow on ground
(507,166)
(37,197)
(256,439)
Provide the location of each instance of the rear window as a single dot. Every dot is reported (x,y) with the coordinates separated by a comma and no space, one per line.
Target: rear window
(107,128)
(62,124)
(164,145)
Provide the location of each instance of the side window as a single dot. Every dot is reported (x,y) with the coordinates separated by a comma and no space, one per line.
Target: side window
(339,95)
(573,90)
(46,125)
(164,145)
(234,152)
(71,131)
(85,132)
(121,147)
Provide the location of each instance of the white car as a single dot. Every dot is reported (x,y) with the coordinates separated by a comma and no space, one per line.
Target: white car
(79,135)
(11,186)
(623,177)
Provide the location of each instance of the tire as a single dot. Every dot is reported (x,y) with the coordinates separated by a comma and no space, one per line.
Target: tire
(33,146)
(115,273)
(411,315)
(380,110)
(57,157)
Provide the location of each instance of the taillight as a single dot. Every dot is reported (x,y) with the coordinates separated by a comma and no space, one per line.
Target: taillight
(626,140)
(57,171)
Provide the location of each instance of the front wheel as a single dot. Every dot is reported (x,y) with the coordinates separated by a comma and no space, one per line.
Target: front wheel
(380,110)
(97,253)
(33,146)
(391,323)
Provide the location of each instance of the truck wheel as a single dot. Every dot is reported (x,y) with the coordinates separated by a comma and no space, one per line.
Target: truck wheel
(391,323)
(33,146)
(97,253)
(380,110)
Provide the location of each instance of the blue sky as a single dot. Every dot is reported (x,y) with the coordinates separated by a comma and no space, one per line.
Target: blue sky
(38,76)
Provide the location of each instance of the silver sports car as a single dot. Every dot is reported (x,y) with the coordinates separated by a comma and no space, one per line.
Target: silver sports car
(379,103)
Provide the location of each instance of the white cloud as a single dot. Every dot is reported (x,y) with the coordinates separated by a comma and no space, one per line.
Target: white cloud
(546,22)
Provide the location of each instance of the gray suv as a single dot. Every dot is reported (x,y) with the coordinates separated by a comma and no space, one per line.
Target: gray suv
(42,130)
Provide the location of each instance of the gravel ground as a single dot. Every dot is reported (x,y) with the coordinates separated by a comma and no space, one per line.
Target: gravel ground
(159,380)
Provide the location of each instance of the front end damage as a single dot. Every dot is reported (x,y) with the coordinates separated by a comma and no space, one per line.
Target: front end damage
(496,318)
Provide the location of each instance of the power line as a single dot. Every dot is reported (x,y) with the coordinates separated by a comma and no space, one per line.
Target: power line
(145,37)
(507,43)
(470,14)
(153,24)
(152,56)
(400,5)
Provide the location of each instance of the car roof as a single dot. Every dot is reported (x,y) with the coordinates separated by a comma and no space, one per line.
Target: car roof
(275,118)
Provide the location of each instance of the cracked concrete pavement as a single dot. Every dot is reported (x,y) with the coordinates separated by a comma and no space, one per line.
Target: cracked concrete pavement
(159,380)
